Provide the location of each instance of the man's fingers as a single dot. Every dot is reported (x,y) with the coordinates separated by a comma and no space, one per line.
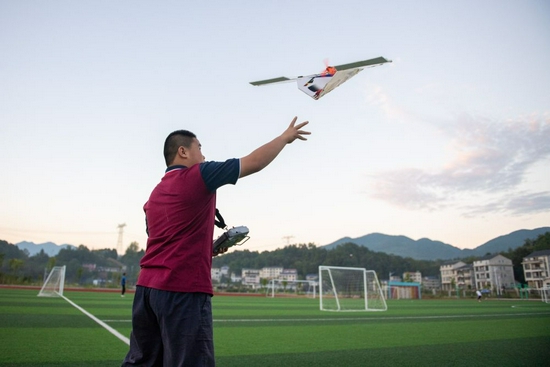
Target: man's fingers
(293,121)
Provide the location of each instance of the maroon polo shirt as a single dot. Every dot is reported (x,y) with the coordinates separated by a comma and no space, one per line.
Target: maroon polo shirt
(180,222)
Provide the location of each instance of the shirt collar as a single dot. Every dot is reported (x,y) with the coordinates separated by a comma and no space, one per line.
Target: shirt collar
(175,167)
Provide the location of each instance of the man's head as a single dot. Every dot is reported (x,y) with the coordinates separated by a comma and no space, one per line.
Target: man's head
(182,147)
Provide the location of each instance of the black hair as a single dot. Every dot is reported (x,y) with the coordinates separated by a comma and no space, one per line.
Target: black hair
(175,140)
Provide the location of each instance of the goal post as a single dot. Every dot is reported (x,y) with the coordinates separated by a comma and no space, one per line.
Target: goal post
(545,294)
(306,288)
(54,284)
(349,289)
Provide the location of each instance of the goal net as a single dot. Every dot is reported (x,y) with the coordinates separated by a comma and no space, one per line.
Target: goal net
(53,286)
(278,287)
(349,289)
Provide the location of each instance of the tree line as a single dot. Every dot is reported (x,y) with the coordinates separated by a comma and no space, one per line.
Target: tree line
(83,266)
(307,258)
(18,267)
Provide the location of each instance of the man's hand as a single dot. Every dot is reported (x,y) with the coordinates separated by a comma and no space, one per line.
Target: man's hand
(221,250)
(294,132)
(264,155)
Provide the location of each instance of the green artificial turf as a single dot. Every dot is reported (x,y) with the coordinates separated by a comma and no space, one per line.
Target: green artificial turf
(260,331)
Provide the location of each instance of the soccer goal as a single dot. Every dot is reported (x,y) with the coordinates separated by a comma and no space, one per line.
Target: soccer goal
(53,286)
(278,287)
(545,294)
(349,289)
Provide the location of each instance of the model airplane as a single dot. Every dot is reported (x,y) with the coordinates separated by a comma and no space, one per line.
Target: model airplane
(317,85)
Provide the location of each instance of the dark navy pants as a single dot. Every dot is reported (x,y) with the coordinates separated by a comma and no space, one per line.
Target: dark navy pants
(171,329)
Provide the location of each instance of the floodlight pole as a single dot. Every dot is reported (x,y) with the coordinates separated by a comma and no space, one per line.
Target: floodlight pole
(119,245)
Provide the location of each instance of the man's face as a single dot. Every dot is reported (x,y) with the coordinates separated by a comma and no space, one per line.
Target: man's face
(194,153)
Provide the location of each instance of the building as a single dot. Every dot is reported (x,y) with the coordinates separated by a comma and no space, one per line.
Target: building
(216,274)
(272,272)
(536,268)
(251,278)
(224,270)
(288,274)
(464,276)
(494,272)
(431,283)
(412,277)
(449,275)
(236,278)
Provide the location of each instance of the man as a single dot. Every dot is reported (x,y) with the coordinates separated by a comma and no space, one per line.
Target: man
(172,313)
(478,293)
(123,284)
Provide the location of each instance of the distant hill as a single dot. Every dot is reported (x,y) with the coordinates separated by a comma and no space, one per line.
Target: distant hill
(426,249)
(50,248)
(509,241)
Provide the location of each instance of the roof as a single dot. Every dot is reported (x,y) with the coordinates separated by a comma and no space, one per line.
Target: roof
(490,257)
(539,253)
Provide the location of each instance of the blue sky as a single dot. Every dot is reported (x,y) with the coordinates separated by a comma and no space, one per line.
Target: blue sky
(448,142)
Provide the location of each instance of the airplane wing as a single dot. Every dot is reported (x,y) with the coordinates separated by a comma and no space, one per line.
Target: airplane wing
(365,63)
(280,79)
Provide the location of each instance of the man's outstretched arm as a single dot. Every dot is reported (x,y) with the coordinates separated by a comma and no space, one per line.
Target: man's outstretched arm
(264,155)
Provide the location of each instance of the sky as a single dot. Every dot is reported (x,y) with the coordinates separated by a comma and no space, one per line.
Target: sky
(451,141)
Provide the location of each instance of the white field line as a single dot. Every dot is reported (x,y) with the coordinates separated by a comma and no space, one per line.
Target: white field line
(371,318)
(381,318)
(102,323)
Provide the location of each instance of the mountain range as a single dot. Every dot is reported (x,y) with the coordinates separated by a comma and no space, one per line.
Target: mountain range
(50,248)
(422,249)
(426,249)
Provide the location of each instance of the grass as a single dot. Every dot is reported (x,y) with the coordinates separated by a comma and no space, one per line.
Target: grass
(258,331)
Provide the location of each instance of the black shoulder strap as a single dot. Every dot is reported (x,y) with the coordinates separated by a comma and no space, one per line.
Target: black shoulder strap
(220,223)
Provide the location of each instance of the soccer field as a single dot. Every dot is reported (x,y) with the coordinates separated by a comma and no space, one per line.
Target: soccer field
(259,331)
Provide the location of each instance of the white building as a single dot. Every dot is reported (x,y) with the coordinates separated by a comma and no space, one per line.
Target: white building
(413,277)
(288,274)
(464,277)
(272,272)
(449,274)
(251,277)
(536,268)
(494,272)
(236,278)
(216,274)
(430,283)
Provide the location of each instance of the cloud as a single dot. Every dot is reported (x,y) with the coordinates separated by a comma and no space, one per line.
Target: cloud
(377,97)
(519,204)
(489,158)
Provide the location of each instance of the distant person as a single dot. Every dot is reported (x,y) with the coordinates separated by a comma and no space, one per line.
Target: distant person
(478,292)
(123,284)
(172,311)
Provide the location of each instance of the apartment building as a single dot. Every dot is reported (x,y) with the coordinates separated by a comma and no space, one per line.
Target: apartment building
(536,268)
(251,277)
(412,276)
(463,276)
(430,283)
(449,275)
(271,272)
(494,272)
